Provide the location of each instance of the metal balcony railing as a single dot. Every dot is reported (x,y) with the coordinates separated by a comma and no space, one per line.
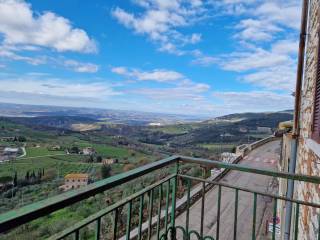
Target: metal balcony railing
(156,217)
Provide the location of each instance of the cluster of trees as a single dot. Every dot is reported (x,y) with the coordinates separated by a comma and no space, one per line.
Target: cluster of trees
(20,139)
(74,150)
(16,139)
(11,184)
(94,158)
(33,177)
(105,171)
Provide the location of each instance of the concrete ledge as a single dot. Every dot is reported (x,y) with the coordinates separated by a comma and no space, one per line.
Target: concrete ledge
(244,149)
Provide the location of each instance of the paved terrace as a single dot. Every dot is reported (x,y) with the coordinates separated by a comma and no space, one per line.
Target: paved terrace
(265,156)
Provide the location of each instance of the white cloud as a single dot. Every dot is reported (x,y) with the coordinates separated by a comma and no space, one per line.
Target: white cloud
(119,70)
(267,42)
(57,87)
(265,18)
(203,109)
(238,1)
(176,96)
(169,94)
(171,48)
(160,20)
(274,78)
(284,13)
(272,69)
(255,101)
(158,75)
(195,38)
(19,25)
(7,53)
(286,46)
(186,101)
(255,59)
(81,67)
(179,95)
(185,90)
(205,61)
(256,30)
(38,74)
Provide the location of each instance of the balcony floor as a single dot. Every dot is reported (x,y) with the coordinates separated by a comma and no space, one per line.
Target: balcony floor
(266,156)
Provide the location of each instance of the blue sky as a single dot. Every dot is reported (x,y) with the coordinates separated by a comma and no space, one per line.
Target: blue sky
(172,56)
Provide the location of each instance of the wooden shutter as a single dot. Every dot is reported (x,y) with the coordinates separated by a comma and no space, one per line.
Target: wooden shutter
(316,111)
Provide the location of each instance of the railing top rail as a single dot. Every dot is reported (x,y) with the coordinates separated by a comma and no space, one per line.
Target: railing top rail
(39,209)
(249,169)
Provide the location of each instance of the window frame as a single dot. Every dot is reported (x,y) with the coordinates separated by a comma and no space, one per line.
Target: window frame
(315,133)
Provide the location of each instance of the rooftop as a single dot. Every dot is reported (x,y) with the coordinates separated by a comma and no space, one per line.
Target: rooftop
(76,175)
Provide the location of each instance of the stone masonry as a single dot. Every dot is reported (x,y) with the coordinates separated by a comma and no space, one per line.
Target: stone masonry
(308,158)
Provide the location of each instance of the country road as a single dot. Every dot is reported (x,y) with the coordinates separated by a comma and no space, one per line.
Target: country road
(265,157)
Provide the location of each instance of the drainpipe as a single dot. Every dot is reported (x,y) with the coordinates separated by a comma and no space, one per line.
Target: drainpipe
(295,135)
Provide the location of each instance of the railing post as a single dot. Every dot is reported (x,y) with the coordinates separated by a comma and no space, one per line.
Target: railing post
(159,212)
(275,205)
(202,208)
(128,230)
(218,212)
(98,228)
(173,207)
(140,217)
(296,228)
(150,214)
(236,201)
(77,234)
(254,218)
(188,207)
(115,224)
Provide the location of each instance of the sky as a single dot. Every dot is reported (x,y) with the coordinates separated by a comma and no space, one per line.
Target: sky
(191,57)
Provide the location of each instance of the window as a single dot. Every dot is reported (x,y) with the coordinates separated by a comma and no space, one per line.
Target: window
(316,111)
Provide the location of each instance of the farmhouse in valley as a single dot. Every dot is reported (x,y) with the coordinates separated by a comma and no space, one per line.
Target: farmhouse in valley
(88,151)
(74,180)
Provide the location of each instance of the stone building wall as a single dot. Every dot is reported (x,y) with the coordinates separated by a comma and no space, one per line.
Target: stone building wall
(308,158)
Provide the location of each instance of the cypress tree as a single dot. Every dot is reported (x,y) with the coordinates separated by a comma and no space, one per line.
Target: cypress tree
(27,176)
(15,179)
(33,175)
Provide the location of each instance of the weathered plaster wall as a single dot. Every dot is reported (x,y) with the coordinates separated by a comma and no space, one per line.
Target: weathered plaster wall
(308,159)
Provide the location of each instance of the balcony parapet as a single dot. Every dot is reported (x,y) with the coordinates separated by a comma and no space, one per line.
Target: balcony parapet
(28,213)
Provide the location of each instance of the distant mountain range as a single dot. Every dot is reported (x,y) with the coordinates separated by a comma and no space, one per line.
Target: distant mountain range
(67,117)
(233,127)
(174,130)
(249,115)
(109,115)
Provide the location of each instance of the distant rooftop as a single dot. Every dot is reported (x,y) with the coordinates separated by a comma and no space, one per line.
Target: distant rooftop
(76,175)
